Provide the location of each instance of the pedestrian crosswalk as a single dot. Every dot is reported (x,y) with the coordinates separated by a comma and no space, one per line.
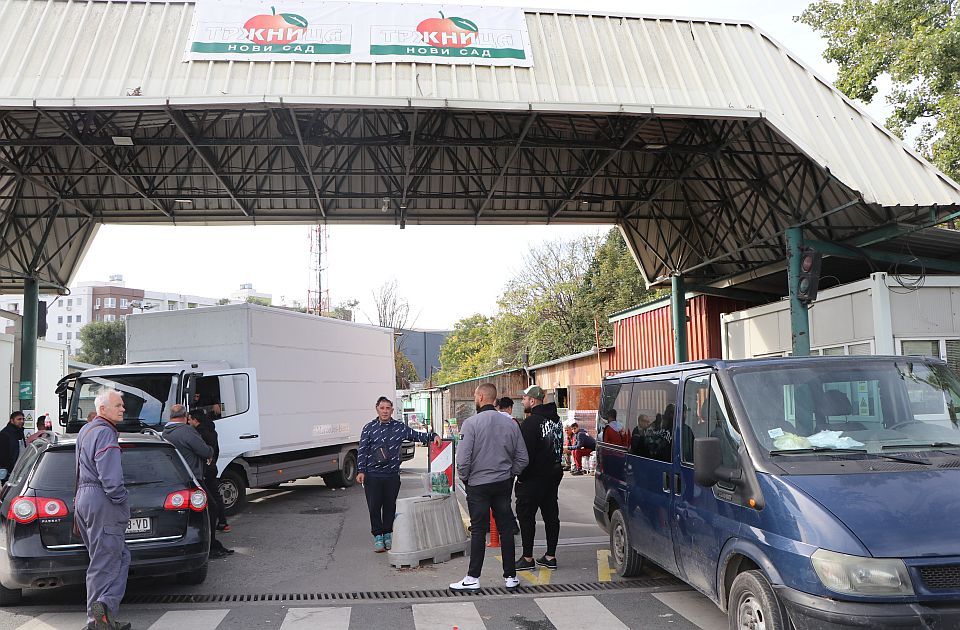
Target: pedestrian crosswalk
(684,610)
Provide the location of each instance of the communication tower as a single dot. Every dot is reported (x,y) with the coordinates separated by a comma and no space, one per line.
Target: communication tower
(318,289)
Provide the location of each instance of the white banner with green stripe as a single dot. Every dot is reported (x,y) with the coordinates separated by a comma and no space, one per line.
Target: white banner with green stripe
(302,30)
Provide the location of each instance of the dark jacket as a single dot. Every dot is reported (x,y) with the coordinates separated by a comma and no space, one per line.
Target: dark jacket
(208,431)
(543,436)
(11,443)
(379,453)
(191,446)
(583,440)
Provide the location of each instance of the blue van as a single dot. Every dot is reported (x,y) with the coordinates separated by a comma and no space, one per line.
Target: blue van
(813,492)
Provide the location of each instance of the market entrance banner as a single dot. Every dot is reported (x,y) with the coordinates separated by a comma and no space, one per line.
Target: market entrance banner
(273,30)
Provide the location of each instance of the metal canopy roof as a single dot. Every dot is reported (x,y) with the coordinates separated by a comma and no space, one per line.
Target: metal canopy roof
(702,139)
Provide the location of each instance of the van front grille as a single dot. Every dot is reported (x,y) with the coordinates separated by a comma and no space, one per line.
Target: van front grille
(942,578)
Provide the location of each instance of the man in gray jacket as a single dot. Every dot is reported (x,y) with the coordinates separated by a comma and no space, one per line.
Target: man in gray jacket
(491,453)
(196,453)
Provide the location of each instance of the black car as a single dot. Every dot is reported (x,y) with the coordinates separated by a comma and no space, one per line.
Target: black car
(168,533)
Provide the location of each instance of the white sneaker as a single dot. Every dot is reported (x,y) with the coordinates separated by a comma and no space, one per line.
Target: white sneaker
(511,582)
(466,584)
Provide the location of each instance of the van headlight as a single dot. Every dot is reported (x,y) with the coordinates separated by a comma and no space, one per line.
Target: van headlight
(855,575)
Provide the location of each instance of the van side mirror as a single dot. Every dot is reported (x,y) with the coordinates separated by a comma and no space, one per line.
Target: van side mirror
(708,468)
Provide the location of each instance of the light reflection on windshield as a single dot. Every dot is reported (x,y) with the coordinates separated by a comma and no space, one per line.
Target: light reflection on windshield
(145,397)
(871,406)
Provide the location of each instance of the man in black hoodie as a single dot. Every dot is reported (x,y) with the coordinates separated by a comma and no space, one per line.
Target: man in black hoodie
(11,444)
(539,484)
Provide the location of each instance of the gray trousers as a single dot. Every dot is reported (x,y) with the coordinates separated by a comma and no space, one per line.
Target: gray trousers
(102,525)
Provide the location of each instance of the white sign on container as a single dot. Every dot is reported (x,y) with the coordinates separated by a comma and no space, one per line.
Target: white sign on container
(274,30)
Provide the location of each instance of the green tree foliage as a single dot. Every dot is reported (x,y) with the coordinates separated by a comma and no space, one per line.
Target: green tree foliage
(103,343)
(548,308)
(406,372)
(467,352)
(916,43)
(258,300)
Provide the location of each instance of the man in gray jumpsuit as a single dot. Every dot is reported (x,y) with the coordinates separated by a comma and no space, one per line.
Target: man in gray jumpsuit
(102,512)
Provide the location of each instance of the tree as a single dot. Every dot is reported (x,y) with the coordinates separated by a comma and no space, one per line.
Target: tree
(916,43)
(612,283)
(393,311)
(252,299)
(406,371)
(344,310)
(468,351)
(103,343)
(223,301)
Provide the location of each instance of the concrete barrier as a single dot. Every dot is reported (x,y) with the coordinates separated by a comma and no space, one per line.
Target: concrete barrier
(427,528)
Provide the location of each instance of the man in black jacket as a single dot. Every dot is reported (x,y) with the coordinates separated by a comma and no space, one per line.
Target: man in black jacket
(539,484)
(11,444)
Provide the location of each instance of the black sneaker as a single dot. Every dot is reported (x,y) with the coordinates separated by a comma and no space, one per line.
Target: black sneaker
(523,564)
(544,562)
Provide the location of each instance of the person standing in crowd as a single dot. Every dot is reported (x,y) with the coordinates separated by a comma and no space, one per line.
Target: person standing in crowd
(378,461)
(505,406)
(538,486)
(491,453)
(102,511)
(41,427)
(11,444)
(582,446)
(207,429)
(567,444)
(184,436)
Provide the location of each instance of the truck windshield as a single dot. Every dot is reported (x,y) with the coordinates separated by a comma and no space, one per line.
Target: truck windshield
(872,406)
(145,398)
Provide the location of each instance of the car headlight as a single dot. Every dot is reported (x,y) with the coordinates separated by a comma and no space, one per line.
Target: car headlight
(855,575)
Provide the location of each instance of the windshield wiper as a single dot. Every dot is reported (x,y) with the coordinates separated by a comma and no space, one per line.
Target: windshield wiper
(923,445)
(816,449)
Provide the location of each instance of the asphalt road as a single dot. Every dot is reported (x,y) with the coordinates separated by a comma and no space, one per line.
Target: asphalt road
(302,539)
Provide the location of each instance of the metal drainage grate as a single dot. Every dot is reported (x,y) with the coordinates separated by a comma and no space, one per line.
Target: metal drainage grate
(357,596)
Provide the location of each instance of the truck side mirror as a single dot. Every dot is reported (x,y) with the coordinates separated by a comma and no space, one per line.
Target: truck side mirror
(64,412)
(708,468)
(191,389)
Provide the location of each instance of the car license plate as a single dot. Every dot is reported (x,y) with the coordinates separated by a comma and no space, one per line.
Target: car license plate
(138,525)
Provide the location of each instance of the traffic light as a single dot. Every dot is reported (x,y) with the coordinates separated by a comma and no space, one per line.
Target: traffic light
(41,319)
(809,275)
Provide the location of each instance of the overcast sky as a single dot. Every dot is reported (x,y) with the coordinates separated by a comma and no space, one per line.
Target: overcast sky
(447,273)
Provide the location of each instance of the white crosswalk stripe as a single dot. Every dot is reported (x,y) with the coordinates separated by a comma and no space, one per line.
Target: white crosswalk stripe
(446,616)
(309,618)
(576,613)
(565,613)
(189,620)
(56,621)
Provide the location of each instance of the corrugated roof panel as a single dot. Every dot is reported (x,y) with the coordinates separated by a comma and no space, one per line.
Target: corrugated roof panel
(95,50)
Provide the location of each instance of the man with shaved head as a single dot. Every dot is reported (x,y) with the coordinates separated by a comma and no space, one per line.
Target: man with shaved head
(491,453)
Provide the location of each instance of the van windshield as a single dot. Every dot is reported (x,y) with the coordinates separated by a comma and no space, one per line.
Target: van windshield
(145,398)
(872,406)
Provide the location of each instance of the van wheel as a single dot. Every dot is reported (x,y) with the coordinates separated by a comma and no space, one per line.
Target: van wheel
(625,559)
(197,576)
(10,596)
(233,491)
(753,605)
(346,476)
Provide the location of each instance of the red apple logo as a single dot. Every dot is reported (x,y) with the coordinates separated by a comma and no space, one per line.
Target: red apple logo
(282,28)
(448,32)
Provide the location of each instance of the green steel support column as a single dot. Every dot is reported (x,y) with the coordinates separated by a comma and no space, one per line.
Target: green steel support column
(678,307)
(799,316)
(28,347)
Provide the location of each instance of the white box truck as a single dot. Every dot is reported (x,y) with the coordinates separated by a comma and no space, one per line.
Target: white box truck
(290,391)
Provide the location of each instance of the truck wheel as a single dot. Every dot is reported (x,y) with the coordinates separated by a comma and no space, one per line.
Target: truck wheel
(233,491)
(197,576)
(753,604)
(625,559)
(346,476)
(10,596)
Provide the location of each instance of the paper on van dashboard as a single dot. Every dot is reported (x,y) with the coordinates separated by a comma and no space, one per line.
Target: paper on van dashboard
(823,439)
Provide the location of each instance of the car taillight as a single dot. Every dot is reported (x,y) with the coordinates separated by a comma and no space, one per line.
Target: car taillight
(198,500)
(28,509)
(195,499)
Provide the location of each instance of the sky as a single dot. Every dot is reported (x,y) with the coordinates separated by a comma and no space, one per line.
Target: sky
(445,272)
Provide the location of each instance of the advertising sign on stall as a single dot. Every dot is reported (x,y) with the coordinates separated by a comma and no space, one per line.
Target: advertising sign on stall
(297,30)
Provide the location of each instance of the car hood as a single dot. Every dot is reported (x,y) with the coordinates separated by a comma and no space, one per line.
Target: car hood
(894,514)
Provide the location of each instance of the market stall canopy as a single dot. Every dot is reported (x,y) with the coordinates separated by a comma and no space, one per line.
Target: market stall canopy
(702,139)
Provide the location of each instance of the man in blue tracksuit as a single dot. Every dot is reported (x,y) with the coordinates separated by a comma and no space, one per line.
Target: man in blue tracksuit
(379,464)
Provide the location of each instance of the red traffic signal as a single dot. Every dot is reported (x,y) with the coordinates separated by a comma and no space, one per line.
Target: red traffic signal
(809,279)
